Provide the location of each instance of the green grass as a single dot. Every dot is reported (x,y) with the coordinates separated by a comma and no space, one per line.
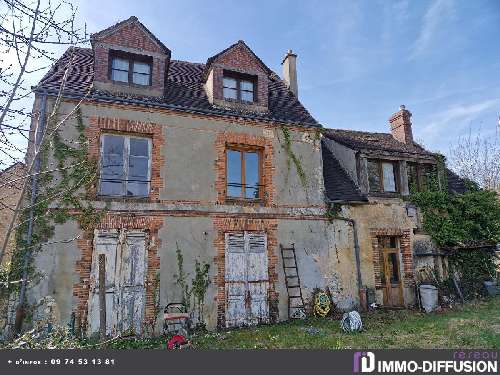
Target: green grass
(475,325)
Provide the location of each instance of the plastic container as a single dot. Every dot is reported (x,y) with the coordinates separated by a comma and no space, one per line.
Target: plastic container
(429,297)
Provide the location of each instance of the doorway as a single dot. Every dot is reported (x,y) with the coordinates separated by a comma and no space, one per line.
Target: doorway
(390,272)
(125,253)
(246,279)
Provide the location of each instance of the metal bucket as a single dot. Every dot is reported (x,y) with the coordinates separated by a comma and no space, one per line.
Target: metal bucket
(429,297)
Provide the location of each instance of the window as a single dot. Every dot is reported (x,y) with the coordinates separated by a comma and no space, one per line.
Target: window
(238,87)
(243,173)
(421,176)
(130,68)
(382,176)
(125,166)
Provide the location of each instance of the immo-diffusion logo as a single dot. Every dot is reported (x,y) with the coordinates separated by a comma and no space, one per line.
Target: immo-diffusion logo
(473,362)
(366,360)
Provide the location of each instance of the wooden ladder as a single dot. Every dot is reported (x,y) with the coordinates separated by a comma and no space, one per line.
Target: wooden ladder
(296,308)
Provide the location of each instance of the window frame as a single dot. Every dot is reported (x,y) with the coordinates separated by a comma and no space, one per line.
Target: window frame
(420,174)
(397,180)
(126,159)
(239,77)
(245,149)
(131,58)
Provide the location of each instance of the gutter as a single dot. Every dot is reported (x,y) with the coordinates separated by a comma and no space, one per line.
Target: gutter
(107,99)
(357,252)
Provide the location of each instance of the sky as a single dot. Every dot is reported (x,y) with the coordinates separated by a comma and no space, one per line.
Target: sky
(358,61)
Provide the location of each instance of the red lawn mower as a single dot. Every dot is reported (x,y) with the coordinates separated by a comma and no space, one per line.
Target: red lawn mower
(177,325)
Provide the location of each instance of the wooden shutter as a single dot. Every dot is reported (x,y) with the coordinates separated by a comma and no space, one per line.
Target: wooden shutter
(235,279)
(257,277)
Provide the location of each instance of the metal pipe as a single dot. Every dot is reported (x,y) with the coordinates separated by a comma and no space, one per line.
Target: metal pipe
(29,235)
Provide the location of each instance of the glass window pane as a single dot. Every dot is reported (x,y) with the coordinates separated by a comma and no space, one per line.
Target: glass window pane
(373,176)
(141,67)
(230,93)
(138,168)
(139,147)
(112,166)
(429,176)
(140,79)
(113,144)
(138,189)
(246,85)
(393,267)
(121,64)
(393,242)
(411,170)
(251,175)
(229,82)
(111,188)
(119,75)
(389,181)
(233,173)
(247,96)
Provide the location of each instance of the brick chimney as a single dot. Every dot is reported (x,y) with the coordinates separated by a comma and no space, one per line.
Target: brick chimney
(401,125)
(290,72)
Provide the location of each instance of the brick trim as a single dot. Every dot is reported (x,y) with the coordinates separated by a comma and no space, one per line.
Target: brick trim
(85,243)
(222,140)
(223,225)
(404,247)
(100,125)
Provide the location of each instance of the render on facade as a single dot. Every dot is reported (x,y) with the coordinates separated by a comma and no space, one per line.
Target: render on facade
(219,162)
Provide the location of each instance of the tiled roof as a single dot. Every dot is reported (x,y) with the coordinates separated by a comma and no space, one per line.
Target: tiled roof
(133,19)
(455,183)
(184,91)
(359,140)
(339,187)
(239,42)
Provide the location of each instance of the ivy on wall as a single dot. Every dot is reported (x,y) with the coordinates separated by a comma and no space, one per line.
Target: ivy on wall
(461,221)
(292,157)
(62,193)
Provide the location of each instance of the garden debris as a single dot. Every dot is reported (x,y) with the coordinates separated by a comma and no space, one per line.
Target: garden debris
(322,304)
(312,330)
(351,322)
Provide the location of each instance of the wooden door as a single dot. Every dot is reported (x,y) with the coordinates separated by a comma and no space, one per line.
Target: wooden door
(235,279)
(125,281)
(105,242)
(257,278)
(246,279)
(391,272)
(132,281)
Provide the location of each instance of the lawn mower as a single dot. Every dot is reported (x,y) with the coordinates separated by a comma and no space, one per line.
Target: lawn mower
(177,326)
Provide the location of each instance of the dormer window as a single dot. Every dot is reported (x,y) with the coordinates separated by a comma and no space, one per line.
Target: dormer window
(383,176)
(238,87)
(130,68)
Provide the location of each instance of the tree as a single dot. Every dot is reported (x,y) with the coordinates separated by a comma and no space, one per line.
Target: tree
(32,34)
(477,158)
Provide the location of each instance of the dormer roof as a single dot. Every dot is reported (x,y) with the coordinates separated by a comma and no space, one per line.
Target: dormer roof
(129,21)
(239,43)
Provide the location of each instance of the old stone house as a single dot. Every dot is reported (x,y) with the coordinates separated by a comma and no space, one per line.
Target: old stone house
(372,174)
(195,158)
(221,163)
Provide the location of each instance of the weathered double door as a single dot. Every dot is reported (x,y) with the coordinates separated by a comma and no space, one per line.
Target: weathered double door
(125,253)
(246,279)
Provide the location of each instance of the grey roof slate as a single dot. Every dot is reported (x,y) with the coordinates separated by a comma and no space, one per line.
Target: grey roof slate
(339,187)
(360,140)
(183,91)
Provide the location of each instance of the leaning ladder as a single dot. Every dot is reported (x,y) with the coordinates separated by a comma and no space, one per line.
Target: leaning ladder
(296,308)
